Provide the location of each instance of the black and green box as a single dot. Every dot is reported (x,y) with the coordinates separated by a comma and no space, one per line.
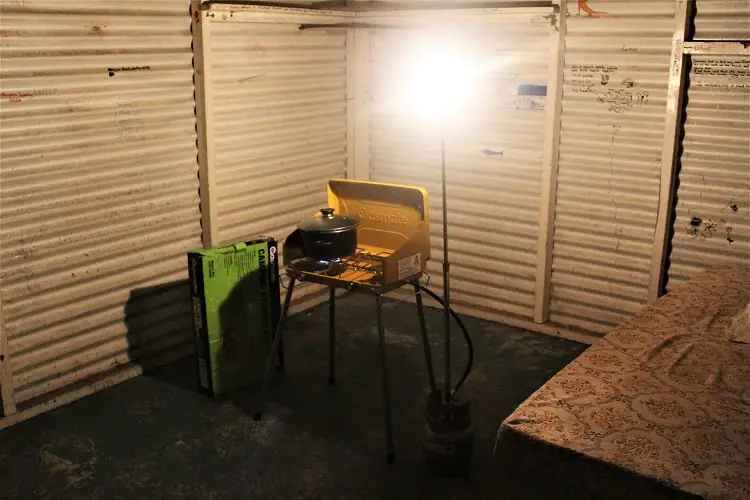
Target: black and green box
(235,296)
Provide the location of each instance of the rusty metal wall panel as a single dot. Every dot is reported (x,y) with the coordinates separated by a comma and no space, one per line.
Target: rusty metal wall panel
(613,112)
(494,149)
(712,223)
(722,20)
(99,190)
(279,121)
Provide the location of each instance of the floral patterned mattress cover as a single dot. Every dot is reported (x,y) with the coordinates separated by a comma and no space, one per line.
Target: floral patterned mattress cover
(663,399)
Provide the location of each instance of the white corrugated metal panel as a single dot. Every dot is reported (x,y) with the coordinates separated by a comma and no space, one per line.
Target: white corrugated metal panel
(722,20)
(712,224)
(443,4)
(279,118)
(494,148)
(613,111)
(99,190)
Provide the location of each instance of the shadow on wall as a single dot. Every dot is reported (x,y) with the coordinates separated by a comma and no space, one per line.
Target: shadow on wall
(159,323)
(248,316)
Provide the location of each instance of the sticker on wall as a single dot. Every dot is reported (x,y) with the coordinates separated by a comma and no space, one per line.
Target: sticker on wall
(526,103)
(583,6)
(530,89)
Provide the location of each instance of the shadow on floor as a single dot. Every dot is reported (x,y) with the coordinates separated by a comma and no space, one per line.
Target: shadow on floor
(159,322)
(157,437)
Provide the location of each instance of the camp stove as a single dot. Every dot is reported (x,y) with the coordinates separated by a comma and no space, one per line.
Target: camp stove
(393,237)
(394,245)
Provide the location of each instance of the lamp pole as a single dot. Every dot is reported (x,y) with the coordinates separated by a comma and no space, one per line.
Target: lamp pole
(446,278)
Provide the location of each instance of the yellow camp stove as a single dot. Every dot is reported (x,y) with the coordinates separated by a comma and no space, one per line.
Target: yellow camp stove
(393,238)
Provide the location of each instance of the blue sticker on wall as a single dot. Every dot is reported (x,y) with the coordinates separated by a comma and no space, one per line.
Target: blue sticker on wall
(535,90)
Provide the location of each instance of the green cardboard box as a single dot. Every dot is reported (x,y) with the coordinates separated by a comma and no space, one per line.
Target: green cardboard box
(235,297)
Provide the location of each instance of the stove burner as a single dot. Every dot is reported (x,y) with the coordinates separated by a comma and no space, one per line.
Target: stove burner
(363,267)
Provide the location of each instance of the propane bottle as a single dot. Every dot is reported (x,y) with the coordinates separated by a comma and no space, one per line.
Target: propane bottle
(449,438)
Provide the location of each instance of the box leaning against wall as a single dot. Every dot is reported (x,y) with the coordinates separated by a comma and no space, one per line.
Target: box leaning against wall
(235,300)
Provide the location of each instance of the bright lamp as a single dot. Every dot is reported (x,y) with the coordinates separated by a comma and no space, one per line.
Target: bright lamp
(438,84)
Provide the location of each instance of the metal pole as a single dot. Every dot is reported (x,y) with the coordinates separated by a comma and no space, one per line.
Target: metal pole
(331,335)
(279,334)
(390,447)
(446,280)
(425,339)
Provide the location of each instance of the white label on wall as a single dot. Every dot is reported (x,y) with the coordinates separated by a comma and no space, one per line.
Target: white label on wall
(409,266)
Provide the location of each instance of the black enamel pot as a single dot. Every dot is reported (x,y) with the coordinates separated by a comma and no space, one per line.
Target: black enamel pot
(329,236)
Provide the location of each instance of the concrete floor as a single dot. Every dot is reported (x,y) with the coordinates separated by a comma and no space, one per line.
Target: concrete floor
(157,437)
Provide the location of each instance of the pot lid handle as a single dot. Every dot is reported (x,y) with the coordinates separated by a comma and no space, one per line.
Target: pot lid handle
(327,212)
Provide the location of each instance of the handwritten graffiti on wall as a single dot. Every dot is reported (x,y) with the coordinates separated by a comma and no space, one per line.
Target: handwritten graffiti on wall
(622,100)
(127,114)
(21,96)
(723,74)
(618,93)
(707,228)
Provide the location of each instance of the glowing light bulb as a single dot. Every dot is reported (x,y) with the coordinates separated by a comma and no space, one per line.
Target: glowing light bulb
(438,84)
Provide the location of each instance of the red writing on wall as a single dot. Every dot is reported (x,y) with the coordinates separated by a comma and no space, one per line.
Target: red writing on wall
(8,33)
(16,96)
(20,96)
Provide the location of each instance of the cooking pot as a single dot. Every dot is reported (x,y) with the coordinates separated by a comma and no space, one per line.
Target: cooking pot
(328,236)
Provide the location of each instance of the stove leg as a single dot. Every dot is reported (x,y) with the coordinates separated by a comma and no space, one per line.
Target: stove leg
(425,339)
(281,352)
(277,338)
(391,457)
(331,336)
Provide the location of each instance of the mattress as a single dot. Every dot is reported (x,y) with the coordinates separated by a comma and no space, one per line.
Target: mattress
(659,408)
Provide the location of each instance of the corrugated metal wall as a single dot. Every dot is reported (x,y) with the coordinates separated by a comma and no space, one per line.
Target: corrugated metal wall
(712,223)
(99,191)
(279,119)
(613,111)
(494,148)
(722,20)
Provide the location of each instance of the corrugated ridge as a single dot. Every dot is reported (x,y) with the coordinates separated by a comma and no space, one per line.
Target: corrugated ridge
(93,269)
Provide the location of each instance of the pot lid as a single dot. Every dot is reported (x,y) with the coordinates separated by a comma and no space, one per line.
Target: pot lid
(327,222)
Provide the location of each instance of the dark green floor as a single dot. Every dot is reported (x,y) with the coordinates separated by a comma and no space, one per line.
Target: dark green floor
(156,437)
